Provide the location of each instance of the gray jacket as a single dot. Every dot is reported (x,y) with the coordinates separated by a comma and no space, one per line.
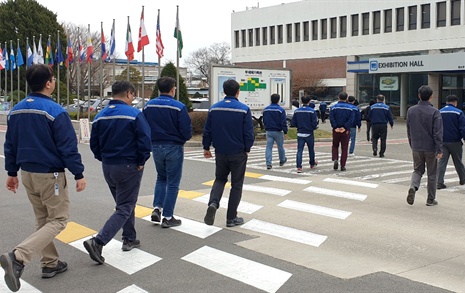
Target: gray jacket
(424,127)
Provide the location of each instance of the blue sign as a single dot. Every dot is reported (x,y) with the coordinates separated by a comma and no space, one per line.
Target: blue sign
(373,65)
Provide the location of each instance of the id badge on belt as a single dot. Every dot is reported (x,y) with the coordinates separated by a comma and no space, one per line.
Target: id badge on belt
(56,184)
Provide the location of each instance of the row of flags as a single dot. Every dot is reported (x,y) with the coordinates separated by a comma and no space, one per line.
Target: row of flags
(36,54)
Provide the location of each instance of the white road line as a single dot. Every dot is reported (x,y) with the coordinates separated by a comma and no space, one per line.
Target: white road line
(25,287)
(264,189)
(285,179)
(238,268)
(244,207)
(129,262)
(193,228)
(132,289)
(351,182)
(284,232)
(314,209)
(386,174)
(336,193)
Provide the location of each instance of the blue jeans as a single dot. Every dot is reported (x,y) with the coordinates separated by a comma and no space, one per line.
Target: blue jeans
(271,137)
(168,162)
(353,135)
(301,141)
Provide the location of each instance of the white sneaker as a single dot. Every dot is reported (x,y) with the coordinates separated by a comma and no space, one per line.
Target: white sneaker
(351,155)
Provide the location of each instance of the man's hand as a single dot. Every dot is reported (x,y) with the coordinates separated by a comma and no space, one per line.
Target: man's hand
(80,184)
(438,156)
(12,183)
(359,129)
(139,168)
(207,154)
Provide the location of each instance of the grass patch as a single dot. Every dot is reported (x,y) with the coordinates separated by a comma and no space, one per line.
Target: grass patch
(292,133)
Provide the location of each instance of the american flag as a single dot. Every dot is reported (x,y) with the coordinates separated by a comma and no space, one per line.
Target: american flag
(159,43)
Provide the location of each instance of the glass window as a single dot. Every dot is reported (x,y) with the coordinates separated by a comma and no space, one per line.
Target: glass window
(324,29)
(365,23)
(376,22)
(272,35)
(425,16)
(306,31)
(399,19)
(244,39)
(441,14)
(257,37)
(455,12)
(343,26)
(388,21)
(264,36)
(289,32)
(236,39)
(354,25)
(280,34)
(412,18)
(250,37)
(333,27)
(314,30)
(297,31)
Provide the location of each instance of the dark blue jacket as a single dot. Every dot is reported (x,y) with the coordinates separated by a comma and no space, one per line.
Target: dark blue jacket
(305,120)
(229,127)
(357,117)
(169,121)
(41,139)
(453,121)
(341,115)
(120,135)
(380,113)
(274,118)
(323,107)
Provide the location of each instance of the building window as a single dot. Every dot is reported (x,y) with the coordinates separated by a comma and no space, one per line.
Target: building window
(244,39)
(272,35)
(354,25)
(297,31)
(306,31)
(333,27)
(343,26)
(399,19)
(257,37)
(324,29)
(376,22)
(280,34)
(250,37)
(314,30)
(455,12)
(412,18)
(289,32)
(425,16)
(388,21)
(441,14)
(236,39)
(264,36)
(365,23)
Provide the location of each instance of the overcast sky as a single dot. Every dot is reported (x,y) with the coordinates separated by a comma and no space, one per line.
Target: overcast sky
(203,22)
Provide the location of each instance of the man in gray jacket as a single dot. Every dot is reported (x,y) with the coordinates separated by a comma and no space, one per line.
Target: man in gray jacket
(424,131)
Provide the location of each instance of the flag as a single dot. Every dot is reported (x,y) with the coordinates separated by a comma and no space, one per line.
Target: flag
(30,56)
(90,48)
(2,62)
(69,53)
(143,38)
(177,34)
(59,54)
(129,46)
(48,53)
(35,55)
(5,58)
(159,43)
(12,59)
(81,50)
(103,49)
(112,42)
(40,52)
(19,57)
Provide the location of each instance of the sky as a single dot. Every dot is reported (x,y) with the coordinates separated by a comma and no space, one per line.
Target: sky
(202,22)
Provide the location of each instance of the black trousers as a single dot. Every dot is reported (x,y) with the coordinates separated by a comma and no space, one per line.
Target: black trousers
(379,131)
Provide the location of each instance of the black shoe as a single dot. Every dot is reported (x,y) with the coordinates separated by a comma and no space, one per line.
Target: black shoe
(95,250)
(129,245)
(170,223)
(462,182)
(210,216)
(411,195)
(283,162)
(343,168)
(13,270)
(375,153)
(51,272)
(431,202)
(381,155)
(336,165)
(268,167)
(441,186)
(156,215)
(234,222)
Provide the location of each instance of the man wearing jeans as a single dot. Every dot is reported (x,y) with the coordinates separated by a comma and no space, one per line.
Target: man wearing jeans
(171,128)
(229,129)
(356,124)
(274,118)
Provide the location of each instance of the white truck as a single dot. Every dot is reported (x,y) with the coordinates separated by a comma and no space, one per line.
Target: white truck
(257,86)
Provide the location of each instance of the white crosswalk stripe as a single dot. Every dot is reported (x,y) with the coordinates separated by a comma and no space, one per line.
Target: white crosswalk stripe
(25,287)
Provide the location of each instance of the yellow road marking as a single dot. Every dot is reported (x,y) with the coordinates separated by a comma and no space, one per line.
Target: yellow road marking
(73,232)
(141,211)
(189,194)
(210,183)
(253,175)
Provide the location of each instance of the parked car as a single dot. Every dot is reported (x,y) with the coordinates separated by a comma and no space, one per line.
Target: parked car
(84,106)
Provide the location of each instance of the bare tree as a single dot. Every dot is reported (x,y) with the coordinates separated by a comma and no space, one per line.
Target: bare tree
(201,60)
(311,83)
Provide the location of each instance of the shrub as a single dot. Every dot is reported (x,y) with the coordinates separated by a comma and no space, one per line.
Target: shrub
(198,121)
(73,116)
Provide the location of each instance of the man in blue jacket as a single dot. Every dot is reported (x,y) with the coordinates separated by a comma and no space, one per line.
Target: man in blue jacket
(41,141)
(342,118)
(274,118)
(306,121)
(356,124)
(453,121)
(171,127)
(379,116)
(120,139)
(323,107)
(229,128)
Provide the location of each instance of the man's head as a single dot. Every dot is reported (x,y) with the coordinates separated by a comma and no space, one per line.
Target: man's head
(342,96)
(452,99)
(40,79)
(425,93)
(275,98)
(167,85)
(123,90)
(380,98)
(231,88)
(305,100)
(351,99)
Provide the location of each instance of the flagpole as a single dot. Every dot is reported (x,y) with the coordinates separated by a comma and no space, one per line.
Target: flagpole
(6,74)
(11,73)
(27,59)
(128,56)
(101,66)
(88,77)
(114,58)
(78,76)
(57,85)
(159,59)
(17,54)
(1,76)
(177,52)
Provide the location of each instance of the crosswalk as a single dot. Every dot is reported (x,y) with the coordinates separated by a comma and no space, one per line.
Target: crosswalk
(359,168)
